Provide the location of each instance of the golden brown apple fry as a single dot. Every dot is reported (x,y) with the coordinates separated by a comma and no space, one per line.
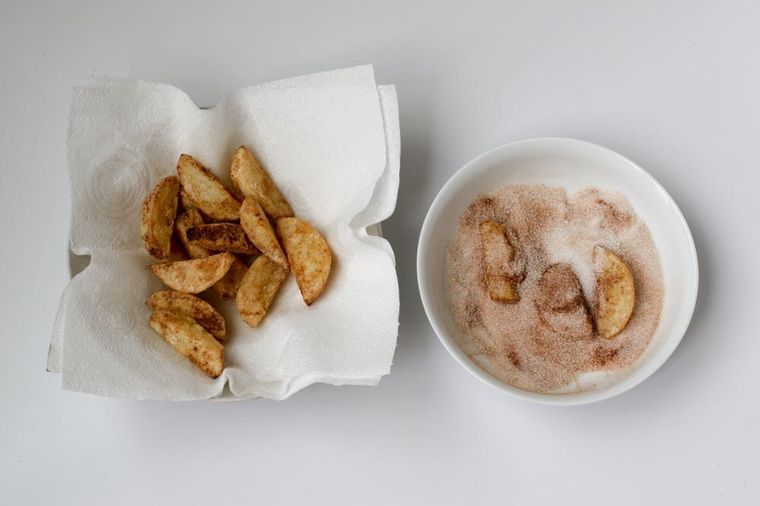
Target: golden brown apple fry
(191,306)
(193,276)
(258,289)
(228,286)
(501,281)
(158,212)
(205,190)
(258,229)
(560,303)
(185,221)
(190,339)
(253,181)
(308,254)
(221,237)
(185,201)
(615,293)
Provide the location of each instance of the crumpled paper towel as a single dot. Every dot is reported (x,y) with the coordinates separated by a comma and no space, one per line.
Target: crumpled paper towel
(331,143)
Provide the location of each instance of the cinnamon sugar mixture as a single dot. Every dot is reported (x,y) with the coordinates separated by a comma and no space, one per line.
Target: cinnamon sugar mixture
(547,339)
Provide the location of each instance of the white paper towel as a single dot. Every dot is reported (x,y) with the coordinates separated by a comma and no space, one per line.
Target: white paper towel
(331,143)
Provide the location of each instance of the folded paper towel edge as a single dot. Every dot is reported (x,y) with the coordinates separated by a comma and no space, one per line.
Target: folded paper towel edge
(106,81)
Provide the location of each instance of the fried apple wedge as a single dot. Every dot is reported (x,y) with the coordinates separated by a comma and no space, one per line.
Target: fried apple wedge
(190,339)
(158,212)
(258,289)
(561,305)
(503,270)
(185,201)
(258,229)
(205,190)
(615,293)
(221,237)
(228,286)
(308,254)
(185,221)
(191,306)
(253,181)
(193,276)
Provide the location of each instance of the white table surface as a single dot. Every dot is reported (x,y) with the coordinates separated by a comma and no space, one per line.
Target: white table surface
(673,85)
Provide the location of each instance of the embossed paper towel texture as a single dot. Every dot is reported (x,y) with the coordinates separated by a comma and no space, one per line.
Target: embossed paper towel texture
(330,141)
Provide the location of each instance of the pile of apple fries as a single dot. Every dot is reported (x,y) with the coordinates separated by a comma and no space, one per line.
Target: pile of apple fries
(209,238)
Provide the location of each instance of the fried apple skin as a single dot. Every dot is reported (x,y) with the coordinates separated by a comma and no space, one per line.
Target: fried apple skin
(206,191)
(259,289)
(190,339)
(308,254)
(258,229)
(253,181)
(193,276)
(615,293)
(158,213)
(191,306)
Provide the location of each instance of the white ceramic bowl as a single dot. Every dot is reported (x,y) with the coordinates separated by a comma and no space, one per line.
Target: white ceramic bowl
(571,164)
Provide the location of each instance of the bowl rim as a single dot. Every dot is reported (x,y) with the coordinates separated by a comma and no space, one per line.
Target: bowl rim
(639,374)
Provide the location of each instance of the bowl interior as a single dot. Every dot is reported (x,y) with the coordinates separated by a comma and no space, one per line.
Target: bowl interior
(571,164)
